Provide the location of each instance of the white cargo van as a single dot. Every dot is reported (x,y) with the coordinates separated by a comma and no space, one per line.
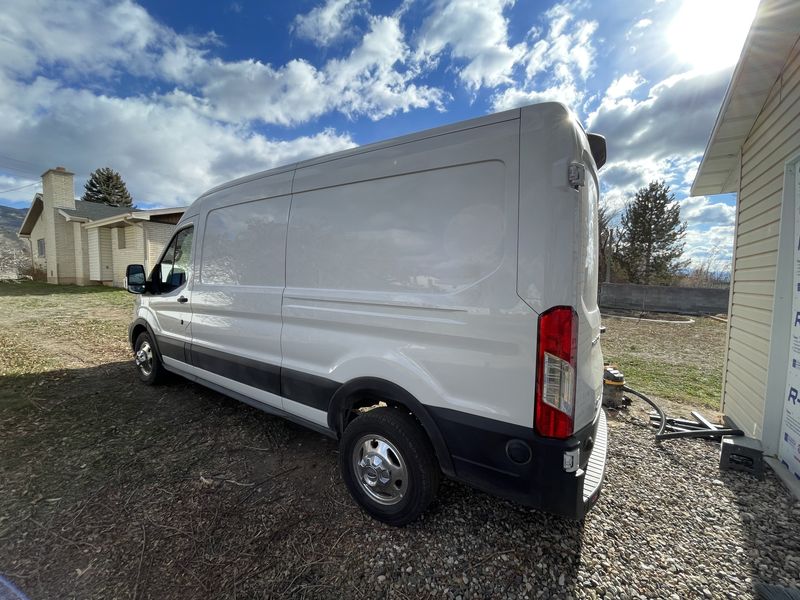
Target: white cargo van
(430,301)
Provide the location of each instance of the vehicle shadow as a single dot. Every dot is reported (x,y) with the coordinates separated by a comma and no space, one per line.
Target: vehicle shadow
(114,488)
(769,516)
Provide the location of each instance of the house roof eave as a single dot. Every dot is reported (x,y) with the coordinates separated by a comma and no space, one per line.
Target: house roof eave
(74,218)
(29,222)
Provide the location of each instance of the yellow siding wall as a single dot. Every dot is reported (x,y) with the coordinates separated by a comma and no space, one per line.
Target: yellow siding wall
(133,253)
(81,239)
(157,236)
(106,256)
(65,244)
(93,247)
(39,232)
(774,139)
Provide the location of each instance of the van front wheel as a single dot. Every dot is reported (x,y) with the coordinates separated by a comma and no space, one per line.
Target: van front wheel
(148,365)
(388,465)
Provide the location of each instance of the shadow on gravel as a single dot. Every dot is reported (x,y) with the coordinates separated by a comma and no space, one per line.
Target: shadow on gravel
(115,489)
(768,514)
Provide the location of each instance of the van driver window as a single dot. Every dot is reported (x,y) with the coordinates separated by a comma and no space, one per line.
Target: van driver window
(177,261)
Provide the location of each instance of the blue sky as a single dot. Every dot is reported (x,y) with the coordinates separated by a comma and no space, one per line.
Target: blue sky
(181,96)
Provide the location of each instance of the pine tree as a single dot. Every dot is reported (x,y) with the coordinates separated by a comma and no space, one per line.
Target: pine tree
(105,186)
(652,233)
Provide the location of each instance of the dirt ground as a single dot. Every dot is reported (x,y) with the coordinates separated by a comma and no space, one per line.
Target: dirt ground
(111,489)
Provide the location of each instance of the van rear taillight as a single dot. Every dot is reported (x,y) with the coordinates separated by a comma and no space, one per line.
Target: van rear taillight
(556,357)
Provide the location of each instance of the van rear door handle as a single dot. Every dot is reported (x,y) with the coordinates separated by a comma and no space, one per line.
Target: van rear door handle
(183,299)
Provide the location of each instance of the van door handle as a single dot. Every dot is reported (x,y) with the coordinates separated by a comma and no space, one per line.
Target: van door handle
(183,299)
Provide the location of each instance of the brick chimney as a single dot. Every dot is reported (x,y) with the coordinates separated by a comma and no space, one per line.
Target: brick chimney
(58,188)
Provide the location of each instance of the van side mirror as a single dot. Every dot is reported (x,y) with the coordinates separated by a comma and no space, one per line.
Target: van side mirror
(597,144)
(135,279)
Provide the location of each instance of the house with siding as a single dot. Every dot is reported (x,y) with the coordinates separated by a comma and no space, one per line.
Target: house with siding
(83,243)
(754,151)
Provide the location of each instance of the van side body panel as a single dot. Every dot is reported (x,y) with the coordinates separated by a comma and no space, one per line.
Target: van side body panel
(401,265)
(238,286)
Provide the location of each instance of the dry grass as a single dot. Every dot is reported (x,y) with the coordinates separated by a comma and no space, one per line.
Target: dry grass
(47,327)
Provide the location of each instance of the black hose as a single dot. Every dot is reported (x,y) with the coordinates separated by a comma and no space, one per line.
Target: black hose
(660,412)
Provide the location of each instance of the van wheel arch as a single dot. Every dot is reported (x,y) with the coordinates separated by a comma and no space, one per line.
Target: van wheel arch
(138,326)
(365,392)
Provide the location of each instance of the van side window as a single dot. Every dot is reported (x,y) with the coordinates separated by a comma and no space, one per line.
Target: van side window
(244,244)
(177,261)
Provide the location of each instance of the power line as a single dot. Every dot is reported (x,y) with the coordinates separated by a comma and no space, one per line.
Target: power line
(18,161)
(22,187)
(19,165)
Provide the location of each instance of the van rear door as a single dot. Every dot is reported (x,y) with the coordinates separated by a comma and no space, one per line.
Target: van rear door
(589,386)
(557,260)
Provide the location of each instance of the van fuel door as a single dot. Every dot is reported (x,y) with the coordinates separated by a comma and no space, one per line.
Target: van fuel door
(576,175)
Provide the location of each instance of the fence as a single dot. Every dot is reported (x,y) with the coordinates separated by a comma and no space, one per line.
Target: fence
(661,298)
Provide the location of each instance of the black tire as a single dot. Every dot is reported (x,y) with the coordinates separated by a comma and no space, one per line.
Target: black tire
(422,475)
(153,372)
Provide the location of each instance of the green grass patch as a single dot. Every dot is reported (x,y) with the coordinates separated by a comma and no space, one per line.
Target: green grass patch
(684,382)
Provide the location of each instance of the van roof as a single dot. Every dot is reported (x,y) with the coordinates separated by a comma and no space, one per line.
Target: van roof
(499,117)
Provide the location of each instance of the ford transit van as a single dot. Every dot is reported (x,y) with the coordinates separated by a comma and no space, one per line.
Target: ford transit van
(430,301)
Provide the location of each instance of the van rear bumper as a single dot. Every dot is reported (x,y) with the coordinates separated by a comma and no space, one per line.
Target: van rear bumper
(482,451)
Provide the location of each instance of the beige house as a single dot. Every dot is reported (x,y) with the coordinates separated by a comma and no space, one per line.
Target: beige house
(84,243)
(754,151)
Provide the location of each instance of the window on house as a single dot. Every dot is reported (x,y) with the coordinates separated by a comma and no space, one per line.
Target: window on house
(40,247)
(121,238)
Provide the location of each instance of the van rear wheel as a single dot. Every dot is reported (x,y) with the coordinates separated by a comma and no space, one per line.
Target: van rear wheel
(388,465)
(148,365)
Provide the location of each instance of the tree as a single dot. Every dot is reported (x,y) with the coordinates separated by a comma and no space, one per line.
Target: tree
(608,238)
(105,186)
(651,237)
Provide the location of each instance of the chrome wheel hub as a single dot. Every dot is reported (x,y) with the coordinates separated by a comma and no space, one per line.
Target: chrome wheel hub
(380,469)
(144,358)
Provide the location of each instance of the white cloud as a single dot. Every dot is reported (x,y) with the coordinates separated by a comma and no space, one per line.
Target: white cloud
(203,130)
(674,119)
(475,31)
(638,29)
(712,246)
(566,49)
(557,64)
(365,82)
(624,85)
(167,154)
(702,210)
(21,188)
(103,38)
(85,37)
(512,97)
(328,22)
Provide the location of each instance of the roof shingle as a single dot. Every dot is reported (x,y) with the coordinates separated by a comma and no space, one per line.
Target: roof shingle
(94,211)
